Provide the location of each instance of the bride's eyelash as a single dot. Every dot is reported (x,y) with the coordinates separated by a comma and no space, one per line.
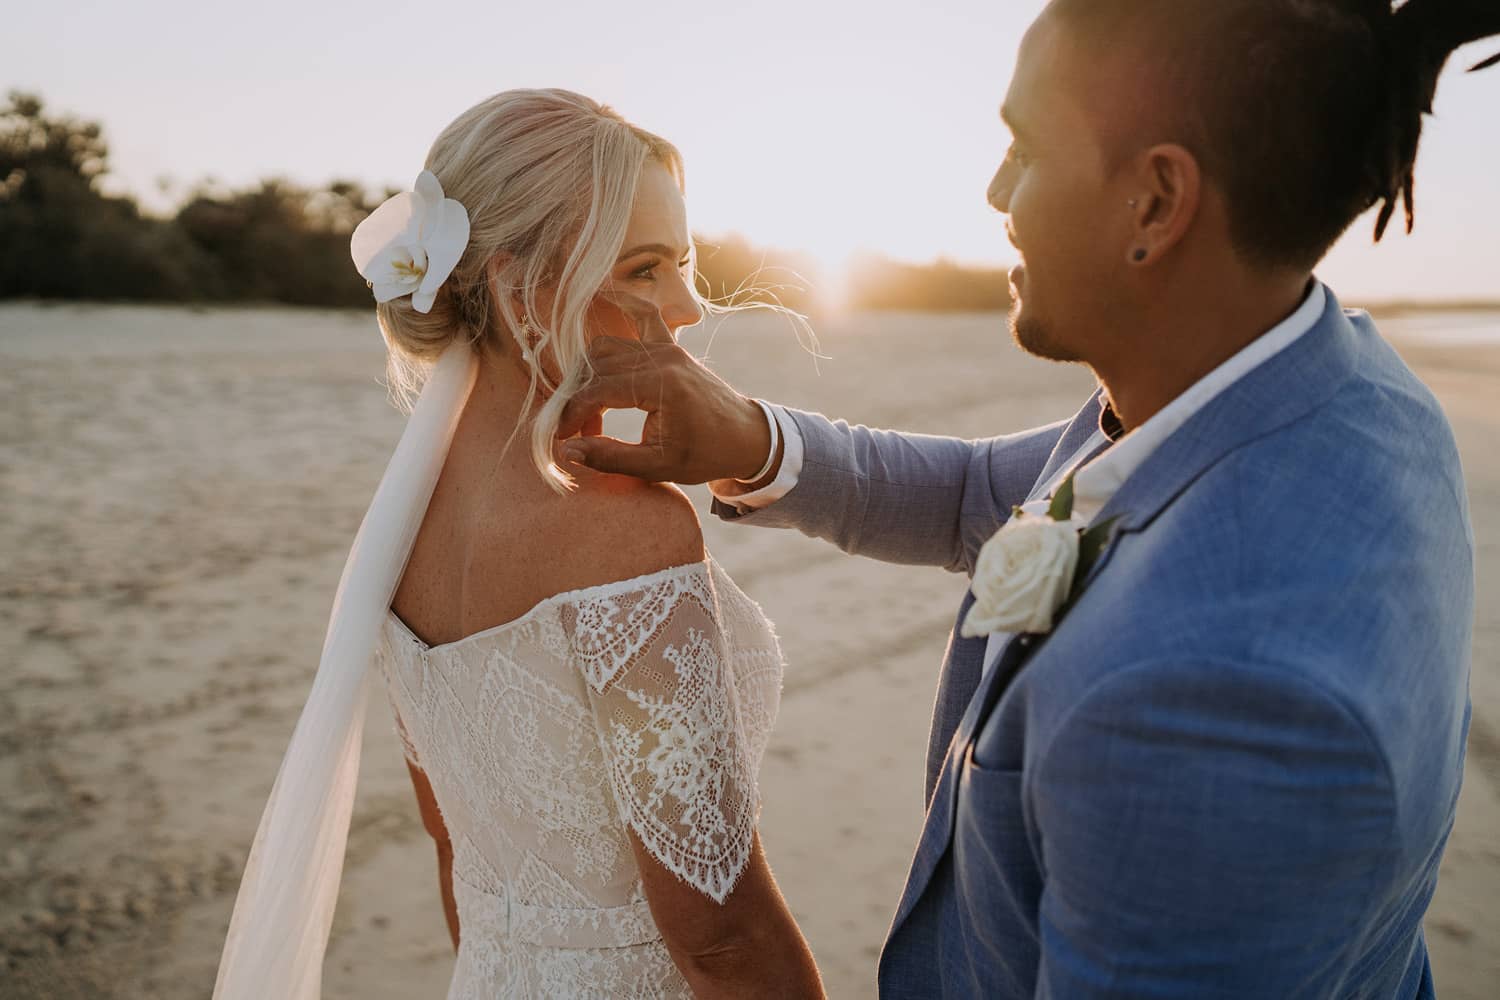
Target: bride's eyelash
(648,270)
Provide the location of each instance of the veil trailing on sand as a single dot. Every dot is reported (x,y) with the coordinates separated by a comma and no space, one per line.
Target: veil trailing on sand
(284,909)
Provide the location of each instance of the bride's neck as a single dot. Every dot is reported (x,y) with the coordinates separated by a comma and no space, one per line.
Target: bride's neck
(497,402)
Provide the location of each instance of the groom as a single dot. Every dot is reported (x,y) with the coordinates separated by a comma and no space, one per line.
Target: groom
(1228,769)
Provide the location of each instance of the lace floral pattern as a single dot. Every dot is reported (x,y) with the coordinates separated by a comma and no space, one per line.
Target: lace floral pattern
(641,706)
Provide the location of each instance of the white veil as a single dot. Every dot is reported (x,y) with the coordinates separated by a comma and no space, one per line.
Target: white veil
(284,909)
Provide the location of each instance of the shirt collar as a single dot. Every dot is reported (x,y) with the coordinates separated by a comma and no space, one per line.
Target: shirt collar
(1097,481)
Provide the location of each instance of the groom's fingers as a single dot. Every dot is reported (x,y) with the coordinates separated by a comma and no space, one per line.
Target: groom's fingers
(653,329)
(607,392)
(606,351)
(628,375)
(698,428)
(645,315)
(621,381)
(604,454)
(589,403)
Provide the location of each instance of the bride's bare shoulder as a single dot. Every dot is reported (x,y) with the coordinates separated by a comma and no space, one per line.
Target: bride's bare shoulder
(626,528)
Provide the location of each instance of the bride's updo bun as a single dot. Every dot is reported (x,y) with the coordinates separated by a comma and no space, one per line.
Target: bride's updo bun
(418,337)
(548,178)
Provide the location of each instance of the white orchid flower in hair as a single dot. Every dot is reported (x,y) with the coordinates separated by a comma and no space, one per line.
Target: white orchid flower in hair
(411,243)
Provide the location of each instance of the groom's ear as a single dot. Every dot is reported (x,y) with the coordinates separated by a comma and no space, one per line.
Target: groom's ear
(1170,186)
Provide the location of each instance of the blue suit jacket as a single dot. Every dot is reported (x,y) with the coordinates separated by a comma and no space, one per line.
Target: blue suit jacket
(1231,769)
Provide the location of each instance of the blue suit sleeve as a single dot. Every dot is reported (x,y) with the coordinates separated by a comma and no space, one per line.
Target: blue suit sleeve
(1206,830)
(904,498)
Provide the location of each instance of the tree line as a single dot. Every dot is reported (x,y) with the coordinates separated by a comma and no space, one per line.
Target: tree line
(63,237)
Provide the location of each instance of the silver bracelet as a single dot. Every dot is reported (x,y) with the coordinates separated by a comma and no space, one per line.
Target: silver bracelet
(775,442)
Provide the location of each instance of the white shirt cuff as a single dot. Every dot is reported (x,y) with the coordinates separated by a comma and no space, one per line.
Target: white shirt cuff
(786,477)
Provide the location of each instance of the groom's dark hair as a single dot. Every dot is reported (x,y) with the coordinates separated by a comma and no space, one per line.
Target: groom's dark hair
(1304,112)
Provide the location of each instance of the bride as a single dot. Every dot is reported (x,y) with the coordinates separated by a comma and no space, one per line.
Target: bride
(582,694)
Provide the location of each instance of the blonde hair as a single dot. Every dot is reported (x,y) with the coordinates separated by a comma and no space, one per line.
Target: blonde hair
(548,178)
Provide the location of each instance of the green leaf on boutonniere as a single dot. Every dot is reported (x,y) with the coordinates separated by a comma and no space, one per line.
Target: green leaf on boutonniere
(1062,501)
(1090,545)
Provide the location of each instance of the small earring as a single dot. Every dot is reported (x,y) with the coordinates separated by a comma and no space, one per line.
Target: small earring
(1132,203)
(523,340)
(1139,255)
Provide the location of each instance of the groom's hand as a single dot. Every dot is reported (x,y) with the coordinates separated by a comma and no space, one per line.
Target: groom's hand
(698,428)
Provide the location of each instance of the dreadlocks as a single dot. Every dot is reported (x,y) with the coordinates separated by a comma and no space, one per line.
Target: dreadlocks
(1418,38)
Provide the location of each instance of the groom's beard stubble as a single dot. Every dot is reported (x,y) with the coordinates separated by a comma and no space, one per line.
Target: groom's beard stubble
(1032,336)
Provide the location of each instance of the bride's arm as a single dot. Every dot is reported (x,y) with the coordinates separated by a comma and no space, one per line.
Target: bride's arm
(747,946)
(432,821)
(681,742)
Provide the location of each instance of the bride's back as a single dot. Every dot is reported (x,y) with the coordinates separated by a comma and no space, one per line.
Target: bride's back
(568,673)
(497,540)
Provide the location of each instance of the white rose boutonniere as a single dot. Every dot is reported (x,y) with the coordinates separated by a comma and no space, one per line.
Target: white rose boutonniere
(1029,570)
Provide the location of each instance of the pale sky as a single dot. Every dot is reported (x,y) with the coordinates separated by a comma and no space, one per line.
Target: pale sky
(829,127)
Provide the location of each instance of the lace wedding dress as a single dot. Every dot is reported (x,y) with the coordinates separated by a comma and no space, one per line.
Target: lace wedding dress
(642,705)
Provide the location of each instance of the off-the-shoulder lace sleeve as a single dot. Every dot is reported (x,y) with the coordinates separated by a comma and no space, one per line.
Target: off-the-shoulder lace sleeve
(681,765)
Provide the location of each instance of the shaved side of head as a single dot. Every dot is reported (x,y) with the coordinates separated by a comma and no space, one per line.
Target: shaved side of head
(1275,99)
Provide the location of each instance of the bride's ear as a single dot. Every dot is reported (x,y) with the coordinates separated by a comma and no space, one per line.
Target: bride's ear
(495,265)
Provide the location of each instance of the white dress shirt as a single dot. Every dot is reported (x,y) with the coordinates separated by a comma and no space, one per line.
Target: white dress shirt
(1097,481)
(786,476)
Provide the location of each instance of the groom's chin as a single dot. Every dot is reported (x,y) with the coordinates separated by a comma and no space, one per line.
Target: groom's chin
(1033,337)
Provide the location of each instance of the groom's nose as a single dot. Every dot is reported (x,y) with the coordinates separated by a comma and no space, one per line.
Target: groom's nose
(999,191)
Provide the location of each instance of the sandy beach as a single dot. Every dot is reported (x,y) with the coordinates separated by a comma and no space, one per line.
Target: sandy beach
(180,488)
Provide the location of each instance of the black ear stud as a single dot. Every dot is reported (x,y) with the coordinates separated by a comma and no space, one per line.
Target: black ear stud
(1139,255)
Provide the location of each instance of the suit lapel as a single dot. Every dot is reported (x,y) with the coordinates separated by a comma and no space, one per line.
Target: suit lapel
(1085,424)
(965,658)
(1283,389)
(955,690)
(938,830)
(1018,649)
(957,683)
